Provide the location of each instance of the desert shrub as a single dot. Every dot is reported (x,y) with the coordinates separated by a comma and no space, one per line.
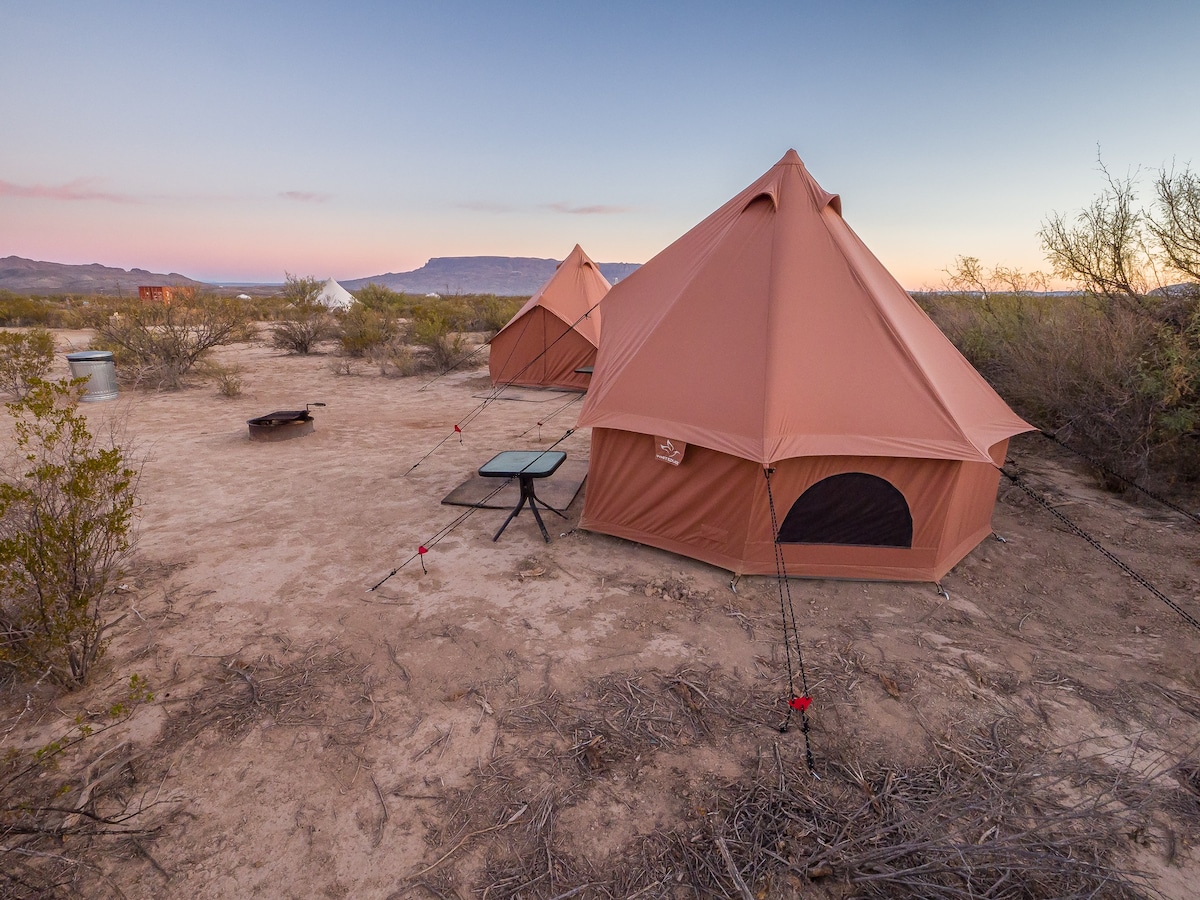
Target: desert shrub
(436,329)
(361,329)
(24,356)
(300,291)
(261,309)
(492,313)
(49,312)
(382,299)
(159,344)
(302,326)
(343,365)
(65,528)
(395,359)
(42,807)
(1118,382)
(228,379)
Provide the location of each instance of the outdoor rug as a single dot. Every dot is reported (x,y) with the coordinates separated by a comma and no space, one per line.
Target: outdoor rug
(557,491)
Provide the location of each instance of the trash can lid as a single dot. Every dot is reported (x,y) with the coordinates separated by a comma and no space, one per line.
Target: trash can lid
(89,355)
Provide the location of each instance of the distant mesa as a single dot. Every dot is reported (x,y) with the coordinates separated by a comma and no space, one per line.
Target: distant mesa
(506,276)
(511,276)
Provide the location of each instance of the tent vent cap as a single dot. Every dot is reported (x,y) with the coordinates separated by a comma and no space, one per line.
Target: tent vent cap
(763,195)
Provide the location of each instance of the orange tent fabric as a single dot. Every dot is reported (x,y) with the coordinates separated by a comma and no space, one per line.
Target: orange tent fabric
(769,335)
(556,332)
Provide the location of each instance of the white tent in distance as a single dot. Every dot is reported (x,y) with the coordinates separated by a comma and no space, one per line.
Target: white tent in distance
(334,296)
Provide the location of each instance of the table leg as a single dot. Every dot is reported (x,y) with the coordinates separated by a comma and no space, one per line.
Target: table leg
(529,497)
(512,515)
(527,494)
(546,505)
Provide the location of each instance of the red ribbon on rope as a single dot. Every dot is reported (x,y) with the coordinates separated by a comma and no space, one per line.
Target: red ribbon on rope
(457,430)
(800,703)
(421,551)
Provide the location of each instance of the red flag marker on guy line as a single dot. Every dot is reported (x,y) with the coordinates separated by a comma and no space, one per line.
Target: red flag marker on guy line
(422,550)
(800,703)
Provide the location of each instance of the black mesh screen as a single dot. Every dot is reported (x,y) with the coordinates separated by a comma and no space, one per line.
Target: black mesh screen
(853,508)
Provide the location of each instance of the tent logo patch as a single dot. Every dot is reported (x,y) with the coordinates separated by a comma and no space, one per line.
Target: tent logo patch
(669,451)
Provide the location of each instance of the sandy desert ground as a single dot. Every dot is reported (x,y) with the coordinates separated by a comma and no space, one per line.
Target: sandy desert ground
(588,717)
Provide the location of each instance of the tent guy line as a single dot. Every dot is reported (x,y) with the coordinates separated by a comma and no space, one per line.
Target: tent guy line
(1104,551)
(791,637)
(454,365)
(1159,498)
(511,350)
(427,545)
(423,548)
(494,395)
(574,399)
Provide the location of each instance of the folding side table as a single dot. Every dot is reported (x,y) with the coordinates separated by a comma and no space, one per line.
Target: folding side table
(525,466)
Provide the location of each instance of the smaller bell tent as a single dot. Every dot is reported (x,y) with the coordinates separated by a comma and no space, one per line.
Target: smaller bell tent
(556,332)
(767,395)
(334,296)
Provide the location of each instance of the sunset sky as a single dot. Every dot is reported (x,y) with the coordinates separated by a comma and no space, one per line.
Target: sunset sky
(236,141)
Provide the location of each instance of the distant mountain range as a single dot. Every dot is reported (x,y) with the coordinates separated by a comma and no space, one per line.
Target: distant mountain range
(503,275)
(510,276)
(28,276)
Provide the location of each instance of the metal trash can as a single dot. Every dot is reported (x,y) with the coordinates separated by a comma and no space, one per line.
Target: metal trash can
(97,367)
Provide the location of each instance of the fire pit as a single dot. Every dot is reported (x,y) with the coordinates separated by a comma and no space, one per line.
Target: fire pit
(283,424)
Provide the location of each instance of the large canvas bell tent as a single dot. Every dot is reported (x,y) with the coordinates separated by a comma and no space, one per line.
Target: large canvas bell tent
(764,383)
(555,332)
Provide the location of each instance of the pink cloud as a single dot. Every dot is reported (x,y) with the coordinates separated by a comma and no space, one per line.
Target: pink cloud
(79,189)
(597,210)
(306,196)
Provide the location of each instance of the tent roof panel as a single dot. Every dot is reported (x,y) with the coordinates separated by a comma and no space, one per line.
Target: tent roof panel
(571,294)
(770,331)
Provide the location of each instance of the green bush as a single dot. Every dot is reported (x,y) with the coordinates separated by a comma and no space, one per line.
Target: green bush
(381,299)
(65,529)
(492,313)
(1117,382)
(24,356)
(50,312)
(436,329)
(261,309)
(360,330)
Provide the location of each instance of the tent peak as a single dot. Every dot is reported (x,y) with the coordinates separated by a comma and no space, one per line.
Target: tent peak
(791,158)
(578,255)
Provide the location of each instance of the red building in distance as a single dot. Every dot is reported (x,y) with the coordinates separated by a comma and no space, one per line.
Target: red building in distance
(155,293)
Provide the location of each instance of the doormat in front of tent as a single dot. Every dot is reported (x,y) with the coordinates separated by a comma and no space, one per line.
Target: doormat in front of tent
(558,491)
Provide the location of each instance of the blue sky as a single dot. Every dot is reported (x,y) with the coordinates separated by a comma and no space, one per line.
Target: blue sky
(234,141)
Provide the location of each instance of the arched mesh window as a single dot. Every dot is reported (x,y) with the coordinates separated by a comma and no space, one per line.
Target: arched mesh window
(852,508)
